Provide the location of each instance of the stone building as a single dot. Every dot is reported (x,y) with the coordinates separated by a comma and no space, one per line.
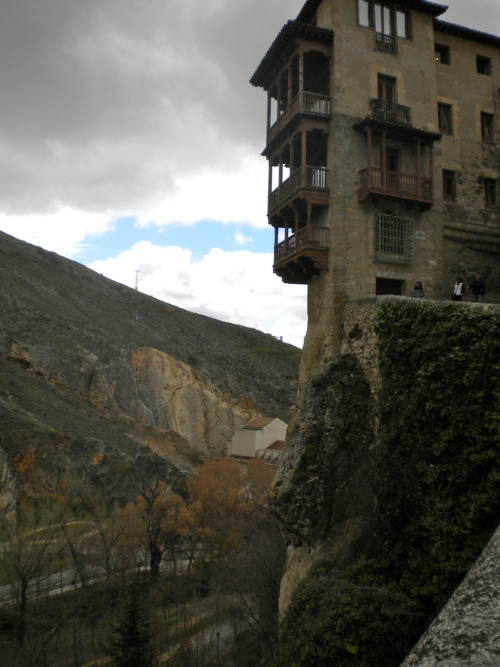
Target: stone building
(384,167)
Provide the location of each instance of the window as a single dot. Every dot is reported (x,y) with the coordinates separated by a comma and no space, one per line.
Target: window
(386,87)
(402,27)
(387,19)
(449,185)
(490,191)
(445,118)
(487,127)
(483,65)
(383,19)
(442,54)
(393,238)
(389,286)
(364,13)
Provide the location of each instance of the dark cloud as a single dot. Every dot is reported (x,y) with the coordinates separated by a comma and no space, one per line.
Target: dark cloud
(106,104)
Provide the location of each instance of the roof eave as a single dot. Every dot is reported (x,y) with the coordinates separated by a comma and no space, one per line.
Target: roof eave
(288,33)
(466,33)
(308,11)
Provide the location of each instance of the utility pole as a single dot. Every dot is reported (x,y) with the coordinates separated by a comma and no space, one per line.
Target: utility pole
(137,271)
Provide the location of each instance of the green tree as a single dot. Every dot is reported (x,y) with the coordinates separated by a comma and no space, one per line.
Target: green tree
(131,640)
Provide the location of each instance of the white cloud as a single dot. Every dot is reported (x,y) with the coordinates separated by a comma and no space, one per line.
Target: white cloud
(237,287)
(235,196)
(241,239)
(65,231)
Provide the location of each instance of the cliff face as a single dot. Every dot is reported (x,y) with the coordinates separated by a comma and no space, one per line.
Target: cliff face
(92,370)
(389,490)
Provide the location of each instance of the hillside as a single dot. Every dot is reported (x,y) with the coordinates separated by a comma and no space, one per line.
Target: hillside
(93,373)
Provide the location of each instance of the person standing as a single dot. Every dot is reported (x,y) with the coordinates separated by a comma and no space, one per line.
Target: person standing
(478,288)
(418,291)
(458,289)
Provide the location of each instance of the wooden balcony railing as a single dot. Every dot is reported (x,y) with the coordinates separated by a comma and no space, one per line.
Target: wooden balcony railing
(396,113)
(394,183)
(304,102)
(386,43)
(304,177)
(308,237)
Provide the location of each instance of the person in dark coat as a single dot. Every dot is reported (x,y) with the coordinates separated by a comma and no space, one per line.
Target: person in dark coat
(418,291)
(478,288)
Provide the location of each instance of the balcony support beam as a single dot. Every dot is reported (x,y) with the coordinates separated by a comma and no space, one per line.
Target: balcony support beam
(419,168)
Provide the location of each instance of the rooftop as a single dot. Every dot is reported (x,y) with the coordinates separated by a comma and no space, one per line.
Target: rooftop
(308,11)
(283,43)
(466,33)
(258,422)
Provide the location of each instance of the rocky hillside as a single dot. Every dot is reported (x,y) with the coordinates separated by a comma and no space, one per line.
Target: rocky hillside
(93,373)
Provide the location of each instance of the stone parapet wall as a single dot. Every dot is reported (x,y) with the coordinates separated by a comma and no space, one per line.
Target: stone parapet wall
(358,329)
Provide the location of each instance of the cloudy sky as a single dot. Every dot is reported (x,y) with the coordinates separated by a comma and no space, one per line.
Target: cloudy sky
(130,141)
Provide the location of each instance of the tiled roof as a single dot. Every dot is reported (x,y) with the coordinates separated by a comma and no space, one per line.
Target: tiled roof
(259,422)
(397,128)
(277,445)
(309,9)
(466,33)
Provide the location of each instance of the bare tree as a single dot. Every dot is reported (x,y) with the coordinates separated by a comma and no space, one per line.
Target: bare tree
(28,557)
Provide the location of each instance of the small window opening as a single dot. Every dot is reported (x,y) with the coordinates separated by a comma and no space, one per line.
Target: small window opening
(487,132)
(445,118)
(449,185)
(490,191)
(442,54)
(483,65)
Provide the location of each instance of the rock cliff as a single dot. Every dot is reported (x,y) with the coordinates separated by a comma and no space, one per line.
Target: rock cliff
(92,371)
(388,490)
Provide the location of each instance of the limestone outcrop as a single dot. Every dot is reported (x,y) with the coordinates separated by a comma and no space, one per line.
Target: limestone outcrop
(90,366)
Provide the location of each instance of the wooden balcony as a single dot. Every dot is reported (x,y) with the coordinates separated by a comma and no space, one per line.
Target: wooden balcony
(395,184)
(303,103)
(302,255)
(387,111)
(309,183)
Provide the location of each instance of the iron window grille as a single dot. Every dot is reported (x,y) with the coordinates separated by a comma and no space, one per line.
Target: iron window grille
(394,238)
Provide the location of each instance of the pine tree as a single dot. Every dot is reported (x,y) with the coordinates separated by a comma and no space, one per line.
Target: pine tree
(131,641)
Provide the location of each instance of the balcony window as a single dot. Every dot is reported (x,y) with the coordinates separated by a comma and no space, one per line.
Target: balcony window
(445,118)
(487,132)
(449,185)
(483,65)
(388,20)
(490,191)
(394,238)
(442,54)
(386,86)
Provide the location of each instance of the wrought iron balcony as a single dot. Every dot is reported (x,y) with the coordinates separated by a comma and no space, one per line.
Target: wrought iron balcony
(308,182)
(305,102)
(386,43)
(396,184)
(395,113)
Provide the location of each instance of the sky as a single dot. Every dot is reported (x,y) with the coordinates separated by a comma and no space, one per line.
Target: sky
(130,142)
